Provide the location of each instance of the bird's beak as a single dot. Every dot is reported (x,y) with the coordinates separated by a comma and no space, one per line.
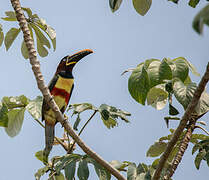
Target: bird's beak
(73,59)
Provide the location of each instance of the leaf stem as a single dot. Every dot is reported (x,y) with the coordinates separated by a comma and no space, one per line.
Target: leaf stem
(202,129)
(71,147)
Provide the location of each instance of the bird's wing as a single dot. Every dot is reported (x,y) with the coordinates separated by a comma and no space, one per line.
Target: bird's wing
(45,106)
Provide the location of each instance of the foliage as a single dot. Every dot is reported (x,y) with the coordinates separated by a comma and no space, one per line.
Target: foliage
(157,81)
(109,114)
(203,152)
(35,24)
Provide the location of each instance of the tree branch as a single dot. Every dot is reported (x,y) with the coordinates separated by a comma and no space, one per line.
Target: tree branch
(190,109)
(47,96)
(182,148)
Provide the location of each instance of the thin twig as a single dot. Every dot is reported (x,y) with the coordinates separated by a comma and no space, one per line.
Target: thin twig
(190,109)
(47,96)
(202,129)
(71,147)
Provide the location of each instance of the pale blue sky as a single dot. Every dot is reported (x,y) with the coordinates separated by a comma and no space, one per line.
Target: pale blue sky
(120,41)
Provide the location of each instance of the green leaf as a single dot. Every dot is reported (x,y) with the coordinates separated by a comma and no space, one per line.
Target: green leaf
(183,93)
(152,67)
(157,98)
(41,172)
(165,70)
(3,116)
(70,170)
(172,110)
(142,6)
(15,117)
(132,172)
(140,168)
(28,11)
(79,108)
(77,122)
(65,160)
(15,101)
(191,66)
(83,170)
(24,50)
(203,104)
(34,107)
(10,37)
(195,148)
(1,37)
(139,85)
(180,69)
(41,23)
(101,172)
(200,19)
(119,165)
(60,176)
(156,149)
(11,16)
(114,5)
(193,3)
(109,114)
(39,155)
(199,158)
(42,51)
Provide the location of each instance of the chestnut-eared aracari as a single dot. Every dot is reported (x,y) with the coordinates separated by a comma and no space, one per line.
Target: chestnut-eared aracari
(61,87)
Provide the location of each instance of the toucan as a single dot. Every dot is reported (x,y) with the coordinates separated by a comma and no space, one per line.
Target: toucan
(60,87)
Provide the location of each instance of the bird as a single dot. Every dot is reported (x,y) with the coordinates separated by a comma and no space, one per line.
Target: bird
(60,87)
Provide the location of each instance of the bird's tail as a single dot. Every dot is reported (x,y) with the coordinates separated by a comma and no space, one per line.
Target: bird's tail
(49,140)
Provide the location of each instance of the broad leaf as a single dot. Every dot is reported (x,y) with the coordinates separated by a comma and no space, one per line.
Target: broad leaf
(1,35)
(156,149)
(203,104)
(3,116)
(165,70)
(200,19)
(24,50)
(180,69)
(10,37)
(59,176)
(79,108)
(152,67)
(191,66)
(199,158)
(139,85)
(142,6)
(110,114)
(172,110)
(34,107)
(39,155)
(132,172)
(70,170)
(83,170)
(157,98)
(41,172)
(65,160)
(41,23)
(11,16)
(119,165)
(15,117)
(15,101)
(193,3)
(183,93)
(101,171)
(114,4)
(77,122)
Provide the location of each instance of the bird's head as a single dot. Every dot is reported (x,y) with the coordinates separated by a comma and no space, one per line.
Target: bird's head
(68,62)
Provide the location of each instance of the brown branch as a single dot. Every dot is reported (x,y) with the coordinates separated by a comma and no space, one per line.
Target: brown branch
(190,109)
(47,96)
(182,148)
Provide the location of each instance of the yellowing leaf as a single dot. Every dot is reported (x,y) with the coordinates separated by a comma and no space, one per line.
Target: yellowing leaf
(142,6)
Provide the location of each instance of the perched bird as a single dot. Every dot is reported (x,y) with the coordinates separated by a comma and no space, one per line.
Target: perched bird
(61,87)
